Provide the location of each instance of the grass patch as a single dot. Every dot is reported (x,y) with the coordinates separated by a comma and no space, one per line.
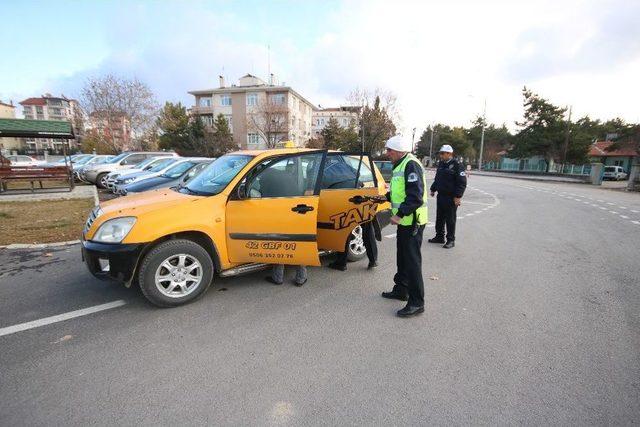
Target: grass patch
(26,185)
(44,221)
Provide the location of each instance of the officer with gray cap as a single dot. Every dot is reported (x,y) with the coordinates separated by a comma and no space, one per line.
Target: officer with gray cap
(450,183)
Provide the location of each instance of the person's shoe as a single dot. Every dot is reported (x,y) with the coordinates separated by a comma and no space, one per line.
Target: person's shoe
(410,311)
(270,280)
(372,265)
(449,244)
(300,283)
(437,239)
(337,266)
(394,295)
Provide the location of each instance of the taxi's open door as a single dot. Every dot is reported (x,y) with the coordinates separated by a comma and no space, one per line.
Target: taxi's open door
(348,179)
(272,215)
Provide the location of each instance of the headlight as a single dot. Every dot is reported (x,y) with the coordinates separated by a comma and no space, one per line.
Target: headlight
(114,230)
(129,180)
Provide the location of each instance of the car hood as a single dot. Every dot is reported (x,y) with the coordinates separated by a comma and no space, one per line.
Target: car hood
(139,204)
(136,175)
(149,184)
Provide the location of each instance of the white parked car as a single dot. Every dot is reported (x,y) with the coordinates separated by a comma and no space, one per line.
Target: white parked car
(614,172)
(158,170)
(145,165)
(22,160)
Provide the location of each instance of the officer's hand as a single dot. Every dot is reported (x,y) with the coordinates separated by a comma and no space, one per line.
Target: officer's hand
(433,193)
(457,200)
(395,219)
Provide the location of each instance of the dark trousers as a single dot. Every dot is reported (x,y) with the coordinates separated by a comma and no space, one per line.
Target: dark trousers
(370,245)
(446,214)
(408,279)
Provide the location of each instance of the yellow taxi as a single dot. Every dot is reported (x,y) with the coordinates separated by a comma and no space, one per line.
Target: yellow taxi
(245,210)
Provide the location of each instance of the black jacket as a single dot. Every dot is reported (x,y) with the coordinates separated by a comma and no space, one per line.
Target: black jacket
(451,179)
(413,187)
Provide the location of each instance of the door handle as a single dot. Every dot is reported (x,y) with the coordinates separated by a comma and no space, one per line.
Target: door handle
(302,209)
(358,199)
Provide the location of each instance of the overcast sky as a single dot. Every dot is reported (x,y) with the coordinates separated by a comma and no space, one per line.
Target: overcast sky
(441,58)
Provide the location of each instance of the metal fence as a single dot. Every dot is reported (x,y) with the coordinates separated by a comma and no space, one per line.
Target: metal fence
(537,166)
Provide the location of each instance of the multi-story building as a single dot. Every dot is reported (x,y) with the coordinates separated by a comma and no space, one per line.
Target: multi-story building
(113,128)
(8,111)
(257,111)
(345,116)
(49,107)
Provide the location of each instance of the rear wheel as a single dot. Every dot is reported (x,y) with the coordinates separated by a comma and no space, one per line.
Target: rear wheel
(175,272)
(101,180)
(355,248)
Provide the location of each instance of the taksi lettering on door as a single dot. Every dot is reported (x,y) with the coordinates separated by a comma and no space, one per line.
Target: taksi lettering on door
(354,216)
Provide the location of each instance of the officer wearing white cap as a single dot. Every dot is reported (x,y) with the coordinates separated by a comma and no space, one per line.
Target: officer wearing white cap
(408,197)
(450,183)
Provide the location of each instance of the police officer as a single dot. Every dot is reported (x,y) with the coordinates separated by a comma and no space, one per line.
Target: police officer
(450,184)
(408,197)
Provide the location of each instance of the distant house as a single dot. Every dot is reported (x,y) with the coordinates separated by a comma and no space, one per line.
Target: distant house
(623,156)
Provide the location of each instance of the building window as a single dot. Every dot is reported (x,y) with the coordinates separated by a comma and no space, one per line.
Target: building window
(618,162)
(345,122)
(225,100)
(39,110)
(205,102)
(277,99)
(207,120)
(252,99)
(253,140)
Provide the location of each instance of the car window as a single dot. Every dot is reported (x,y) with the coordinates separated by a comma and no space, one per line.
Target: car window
(195,170)
(134,159)
(217,175)
(24,159)
(291,176)
(13,158)
(609,169)
(162,164)
(365,178)
(147,162)
(176,171)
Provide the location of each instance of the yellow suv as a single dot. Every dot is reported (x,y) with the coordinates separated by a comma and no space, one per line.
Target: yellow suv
(245,210)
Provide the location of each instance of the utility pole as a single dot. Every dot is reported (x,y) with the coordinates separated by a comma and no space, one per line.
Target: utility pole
(431,147)
(484,120)
(566,140)
(413,138)
(362,125)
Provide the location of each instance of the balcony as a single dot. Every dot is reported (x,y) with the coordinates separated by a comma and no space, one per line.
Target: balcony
(202,110)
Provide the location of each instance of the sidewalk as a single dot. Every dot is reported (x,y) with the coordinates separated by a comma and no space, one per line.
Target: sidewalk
(79,192)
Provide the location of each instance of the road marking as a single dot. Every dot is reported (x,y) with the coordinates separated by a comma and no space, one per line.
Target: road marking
(622,207)
(609,203)
(634,211)
(636,222)
(60,317)
(614,212)
(602,207)
(624,216)
(390,236)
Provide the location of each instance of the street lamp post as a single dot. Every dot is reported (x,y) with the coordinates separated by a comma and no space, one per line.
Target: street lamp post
(484,120)
(413,138)
(431,147)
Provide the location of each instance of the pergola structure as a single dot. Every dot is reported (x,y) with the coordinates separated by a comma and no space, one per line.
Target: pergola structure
(21,128)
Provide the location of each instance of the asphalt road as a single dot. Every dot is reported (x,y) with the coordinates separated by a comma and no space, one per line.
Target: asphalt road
(532,319)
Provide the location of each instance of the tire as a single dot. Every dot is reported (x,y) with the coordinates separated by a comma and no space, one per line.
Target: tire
(166,287)
(99,179)
(355,248)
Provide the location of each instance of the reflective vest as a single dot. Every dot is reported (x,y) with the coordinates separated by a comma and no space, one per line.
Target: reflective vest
(398,194)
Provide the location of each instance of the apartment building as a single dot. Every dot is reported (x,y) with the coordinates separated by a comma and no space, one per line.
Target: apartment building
(8,111)
(49,107)
(345,116)
(112,127)
(257,110)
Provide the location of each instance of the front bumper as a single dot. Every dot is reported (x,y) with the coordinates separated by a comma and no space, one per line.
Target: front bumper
(111,261)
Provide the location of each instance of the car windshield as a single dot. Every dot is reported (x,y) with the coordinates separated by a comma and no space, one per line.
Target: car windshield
(117,158)
(176,171)
(217,175)
(163,163)
(83,160)
(143,164)
(609,169)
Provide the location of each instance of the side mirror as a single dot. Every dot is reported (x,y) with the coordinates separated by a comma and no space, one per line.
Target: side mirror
(242,191)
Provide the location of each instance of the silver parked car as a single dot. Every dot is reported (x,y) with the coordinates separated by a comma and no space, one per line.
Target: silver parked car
(98,174)
(145,165)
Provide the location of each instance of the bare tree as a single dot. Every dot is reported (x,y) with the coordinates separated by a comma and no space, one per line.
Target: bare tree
(378,117)
(270,120)
(360,97)
(110,98)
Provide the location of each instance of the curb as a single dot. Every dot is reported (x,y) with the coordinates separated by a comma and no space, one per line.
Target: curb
(40,245)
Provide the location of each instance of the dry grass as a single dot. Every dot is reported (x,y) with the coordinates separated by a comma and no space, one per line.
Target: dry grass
(26,185)
(43,222)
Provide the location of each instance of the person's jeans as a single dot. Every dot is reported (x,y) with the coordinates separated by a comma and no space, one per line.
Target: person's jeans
(277,273)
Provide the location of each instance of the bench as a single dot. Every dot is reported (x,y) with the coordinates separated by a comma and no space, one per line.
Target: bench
(35,174)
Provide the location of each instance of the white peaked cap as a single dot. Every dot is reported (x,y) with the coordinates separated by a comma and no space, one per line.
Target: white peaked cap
(399,143)
(446,149)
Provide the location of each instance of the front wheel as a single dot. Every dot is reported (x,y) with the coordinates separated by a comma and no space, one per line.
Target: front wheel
(355,248)
(101,180)
(175,272)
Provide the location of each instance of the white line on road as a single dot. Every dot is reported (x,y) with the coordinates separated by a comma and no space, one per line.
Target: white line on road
(614,212)
(634,211)
(624,216)
(59,318)
(622,207)
(636,222)
(390,236)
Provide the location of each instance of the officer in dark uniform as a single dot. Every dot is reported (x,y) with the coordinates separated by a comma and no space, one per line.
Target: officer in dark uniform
(408,197)
(450,183)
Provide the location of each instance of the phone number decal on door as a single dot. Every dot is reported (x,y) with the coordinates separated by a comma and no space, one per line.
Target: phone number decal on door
(286,246)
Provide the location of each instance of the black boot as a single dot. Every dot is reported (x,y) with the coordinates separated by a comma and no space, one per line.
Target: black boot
(372,265)
(338,266)
(449,244)
(395,295)
(437,239)
(410,311)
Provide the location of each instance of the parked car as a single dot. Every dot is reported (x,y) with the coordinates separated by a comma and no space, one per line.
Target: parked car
(145,165)
(244,210)
(97,174)
(22,160)
(614,172)
(71,160)
(386,169)
(156,170)
(78,170)
(178,174)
